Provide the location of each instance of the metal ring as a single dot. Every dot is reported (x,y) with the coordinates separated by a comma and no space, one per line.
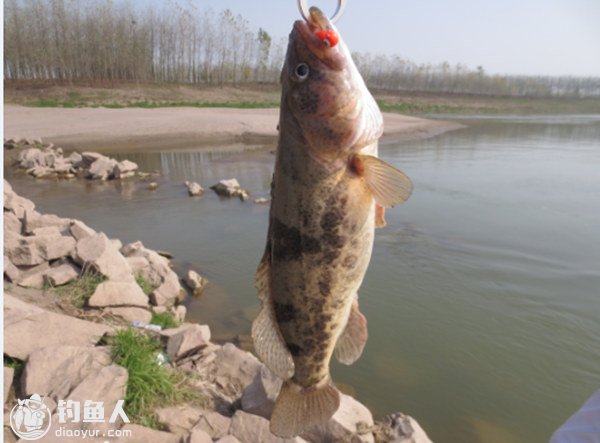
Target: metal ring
(303,7)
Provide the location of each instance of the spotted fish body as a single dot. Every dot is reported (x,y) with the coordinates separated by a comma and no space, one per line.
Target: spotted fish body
(328,194)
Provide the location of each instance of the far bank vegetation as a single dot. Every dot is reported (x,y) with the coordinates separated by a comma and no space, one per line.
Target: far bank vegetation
(111,41)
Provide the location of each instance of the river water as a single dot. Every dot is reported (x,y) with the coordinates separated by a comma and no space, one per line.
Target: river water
(483,294)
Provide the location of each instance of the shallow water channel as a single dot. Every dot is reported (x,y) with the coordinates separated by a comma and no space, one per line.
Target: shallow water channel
(483,294)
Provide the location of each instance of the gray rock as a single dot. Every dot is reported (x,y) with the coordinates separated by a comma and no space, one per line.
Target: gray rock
(131,313)
(99,253)
(62,274)
(230,188)
(188,341)
(179,312)
(140,434)
(47,230)
(62,166)
(12,224)
(194,188)
(75,158)
(237,366)
(31,251)
(214,424)
(199,436)
(48,158)
(169,292)
(107,385)
(80,230)
(87,158)
(400,428)
(125,169)
(179,419)
(15,203)
(138,264)
(33,220)
(116,243)
(11,272)
(254,429)
(262,201)
(351,422)
(102,168)
(260,395)
(118,293)
(41,171)
(194,281)
(30,158)
(228,439)
(56,370)
(33,276)
(28,328)
(8,379)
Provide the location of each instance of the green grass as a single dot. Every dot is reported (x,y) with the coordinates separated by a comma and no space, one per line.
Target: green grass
(16,364)
(425,108)
(165,320)
(147,285)
(81,103)
(80,290)
(149,385)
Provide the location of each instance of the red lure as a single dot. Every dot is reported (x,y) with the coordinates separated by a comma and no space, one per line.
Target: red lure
(329,37)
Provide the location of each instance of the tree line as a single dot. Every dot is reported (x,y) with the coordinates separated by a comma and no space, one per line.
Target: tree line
(105,40)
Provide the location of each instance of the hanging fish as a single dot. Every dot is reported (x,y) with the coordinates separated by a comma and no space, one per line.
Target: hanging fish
(329,191)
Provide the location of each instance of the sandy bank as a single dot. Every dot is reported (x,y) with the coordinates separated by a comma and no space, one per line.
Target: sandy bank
(130,129)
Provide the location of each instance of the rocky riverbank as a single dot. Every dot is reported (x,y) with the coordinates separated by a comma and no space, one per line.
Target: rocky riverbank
(60,348)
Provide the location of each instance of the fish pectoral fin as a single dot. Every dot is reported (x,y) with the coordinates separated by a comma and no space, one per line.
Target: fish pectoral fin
(353,339)
(389,185)
(269,344)
(298,409)
(379,216)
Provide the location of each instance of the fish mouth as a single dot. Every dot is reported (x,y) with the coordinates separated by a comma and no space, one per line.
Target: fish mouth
(317,21)
(307,29)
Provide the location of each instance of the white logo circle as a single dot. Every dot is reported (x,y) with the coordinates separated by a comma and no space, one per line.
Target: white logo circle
(30,418)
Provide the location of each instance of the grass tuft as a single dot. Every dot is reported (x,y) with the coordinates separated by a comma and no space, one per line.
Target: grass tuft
(147,285)
(150,385)
(82,289)
(16,364)
(164,319)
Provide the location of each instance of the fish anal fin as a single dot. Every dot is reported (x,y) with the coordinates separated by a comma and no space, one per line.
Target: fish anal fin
(353,339)
(268,342)
(379,216)
(261,278)
(298,409)
(389,185)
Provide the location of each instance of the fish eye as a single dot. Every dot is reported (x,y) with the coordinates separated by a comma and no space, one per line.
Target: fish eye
(302,71)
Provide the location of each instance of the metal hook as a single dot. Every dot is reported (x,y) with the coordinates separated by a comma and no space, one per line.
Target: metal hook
(303,7)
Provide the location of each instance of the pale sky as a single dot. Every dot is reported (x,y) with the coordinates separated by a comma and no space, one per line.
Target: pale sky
(554,37)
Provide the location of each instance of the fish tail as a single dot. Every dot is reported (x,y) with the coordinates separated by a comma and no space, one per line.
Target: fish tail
(298,409)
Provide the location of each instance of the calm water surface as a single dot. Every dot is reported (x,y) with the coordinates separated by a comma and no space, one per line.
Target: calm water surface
(483,294)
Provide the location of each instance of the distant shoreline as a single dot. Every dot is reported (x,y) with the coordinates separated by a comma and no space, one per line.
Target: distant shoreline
(135,129)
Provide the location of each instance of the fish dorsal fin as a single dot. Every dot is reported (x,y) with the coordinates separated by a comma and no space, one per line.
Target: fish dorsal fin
(268,342)
(352,341)
(389,185)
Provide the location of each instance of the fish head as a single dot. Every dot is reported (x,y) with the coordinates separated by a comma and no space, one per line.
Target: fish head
(324,93)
